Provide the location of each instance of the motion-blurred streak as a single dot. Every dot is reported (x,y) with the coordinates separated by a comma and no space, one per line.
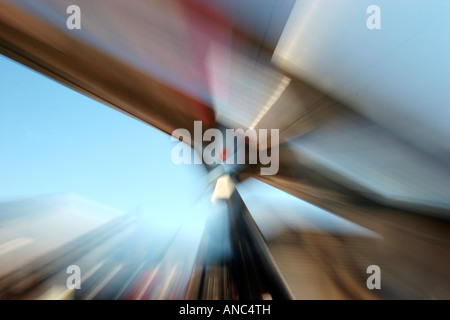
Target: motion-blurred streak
(57,229)
(411,250)
(364,153)
(243,91)
(31,36)
(397,76)
(121,256)
(379,165)
(155,37)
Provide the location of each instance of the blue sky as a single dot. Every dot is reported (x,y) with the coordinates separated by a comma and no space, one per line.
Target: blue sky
(56,140)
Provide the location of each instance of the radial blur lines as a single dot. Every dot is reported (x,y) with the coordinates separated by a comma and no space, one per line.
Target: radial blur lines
(275,211)
(243,90)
